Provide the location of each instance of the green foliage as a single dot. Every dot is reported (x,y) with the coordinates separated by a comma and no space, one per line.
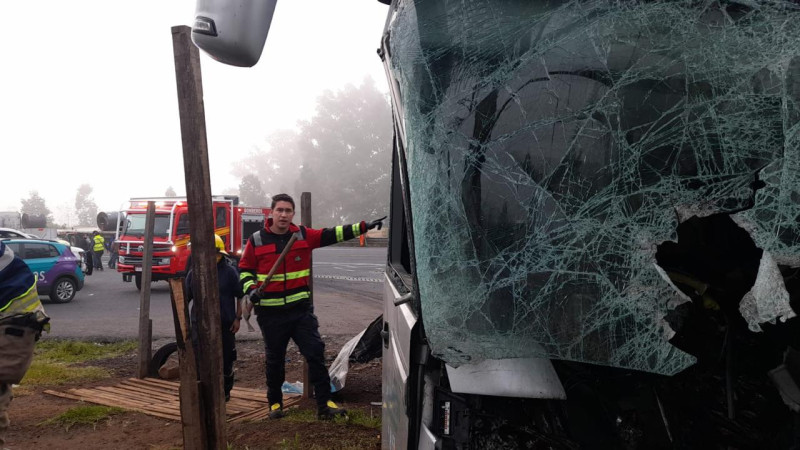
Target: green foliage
(65,351)
(342,155)
(83,415)
(85,206)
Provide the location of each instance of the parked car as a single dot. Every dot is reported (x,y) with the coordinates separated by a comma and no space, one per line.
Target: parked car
(10,233)
(57,268)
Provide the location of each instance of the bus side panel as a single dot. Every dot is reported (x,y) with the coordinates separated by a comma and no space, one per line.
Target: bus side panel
(398,322)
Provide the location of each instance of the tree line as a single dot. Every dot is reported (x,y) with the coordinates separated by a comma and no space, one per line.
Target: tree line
(342,155)
(84,214)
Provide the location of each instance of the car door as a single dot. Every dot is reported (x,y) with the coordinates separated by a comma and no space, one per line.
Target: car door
(42,258)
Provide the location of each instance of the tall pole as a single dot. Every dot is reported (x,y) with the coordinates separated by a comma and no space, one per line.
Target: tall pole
(145,330)
(201,229)
(305,220)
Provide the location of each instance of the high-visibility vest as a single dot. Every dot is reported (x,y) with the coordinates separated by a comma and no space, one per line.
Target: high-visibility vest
(99,242)
(290,282)
(18,293)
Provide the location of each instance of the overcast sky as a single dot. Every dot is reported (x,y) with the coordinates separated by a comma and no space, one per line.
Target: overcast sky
(87,92)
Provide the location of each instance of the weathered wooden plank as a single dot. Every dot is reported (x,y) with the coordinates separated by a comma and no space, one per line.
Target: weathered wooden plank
(123,401)
(106,402)
(205,287)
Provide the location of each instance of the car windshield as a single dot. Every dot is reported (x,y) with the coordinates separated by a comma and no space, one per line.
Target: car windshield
(134,225)
(553,146)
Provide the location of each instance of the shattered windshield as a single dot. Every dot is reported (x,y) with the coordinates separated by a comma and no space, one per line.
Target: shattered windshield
(553,147)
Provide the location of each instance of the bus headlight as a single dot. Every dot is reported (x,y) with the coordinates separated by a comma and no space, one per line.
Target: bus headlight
(122,259)
(174,248)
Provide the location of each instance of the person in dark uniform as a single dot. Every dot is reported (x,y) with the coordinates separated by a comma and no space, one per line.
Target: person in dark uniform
(230,311)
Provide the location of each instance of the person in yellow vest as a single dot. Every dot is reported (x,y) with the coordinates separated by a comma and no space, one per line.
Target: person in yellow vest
(98,248)
(22,319)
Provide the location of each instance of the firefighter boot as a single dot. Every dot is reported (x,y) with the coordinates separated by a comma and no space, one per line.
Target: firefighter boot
(276,411)
(228,385)
(329,411)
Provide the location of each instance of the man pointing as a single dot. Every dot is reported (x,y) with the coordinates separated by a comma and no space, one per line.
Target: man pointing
(283,306)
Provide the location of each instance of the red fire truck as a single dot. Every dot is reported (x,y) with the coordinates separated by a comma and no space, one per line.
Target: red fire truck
(171,248)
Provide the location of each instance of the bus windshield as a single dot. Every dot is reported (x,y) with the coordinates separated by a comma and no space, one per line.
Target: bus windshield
(135,223)
(552,147)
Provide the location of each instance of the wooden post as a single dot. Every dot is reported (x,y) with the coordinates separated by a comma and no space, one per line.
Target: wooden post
(194,436)
(305,220)
(201,229)
(145,333)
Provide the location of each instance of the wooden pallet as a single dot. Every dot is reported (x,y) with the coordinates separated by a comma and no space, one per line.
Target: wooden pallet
(159,398)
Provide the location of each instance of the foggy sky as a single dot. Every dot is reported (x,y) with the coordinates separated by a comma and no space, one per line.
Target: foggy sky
(88,93)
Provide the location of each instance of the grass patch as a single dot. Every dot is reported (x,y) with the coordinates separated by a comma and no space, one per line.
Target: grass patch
(300,415)
(79,351)
(355,417)
(359,417)
(287,444)
(53,358)
(42,372)
(83,415)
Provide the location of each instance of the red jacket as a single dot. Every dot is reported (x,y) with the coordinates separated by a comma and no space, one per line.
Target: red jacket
(289,284)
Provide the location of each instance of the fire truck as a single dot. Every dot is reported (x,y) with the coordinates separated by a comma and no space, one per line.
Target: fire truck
(171,246)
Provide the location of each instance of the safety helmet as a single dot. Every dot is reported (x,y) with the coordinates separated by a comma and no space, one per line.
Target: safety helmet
(220,244)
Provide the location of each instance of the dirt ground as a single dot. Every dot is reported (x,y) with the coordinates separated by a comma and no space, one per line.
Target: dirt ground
(131,430)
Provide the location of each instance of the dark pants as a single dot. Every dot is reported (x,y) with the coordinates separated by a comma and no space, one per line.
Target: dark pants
(98,263)
(228,350)
(112,263)
(228,357)
(301,325)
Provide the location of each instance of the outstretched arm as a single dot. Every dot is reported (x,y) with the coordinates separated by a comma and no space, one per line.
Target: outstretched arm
(341,233)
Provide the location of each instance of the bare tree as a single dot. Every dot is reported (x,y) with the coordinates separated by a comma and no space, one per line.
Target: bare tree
(35,206)
(342,155)
(85,206)
(250,191)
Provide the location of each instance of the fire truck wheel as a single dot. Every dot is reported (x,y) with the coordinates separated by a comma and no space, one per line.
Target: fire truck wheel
(138,279)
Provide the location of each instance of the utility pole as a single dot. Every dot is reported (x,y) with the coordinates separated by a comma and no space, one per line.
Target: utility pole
(201,229)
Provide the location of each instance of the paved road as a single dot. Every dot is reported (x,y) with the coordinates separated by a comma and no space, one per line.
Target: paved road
(347,297)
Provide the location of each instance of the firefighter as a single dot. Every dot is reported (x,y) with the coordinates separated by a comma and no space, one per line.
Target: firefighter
(230,311)
(99,246)
(283,307)
(22,320)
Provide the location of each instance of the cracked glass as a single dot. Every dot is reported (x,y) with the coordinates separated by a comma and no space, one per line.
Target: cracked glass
(553,146)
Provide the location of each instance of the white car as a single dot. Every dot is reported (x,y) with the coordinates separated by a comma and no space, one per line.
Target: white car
(10,233)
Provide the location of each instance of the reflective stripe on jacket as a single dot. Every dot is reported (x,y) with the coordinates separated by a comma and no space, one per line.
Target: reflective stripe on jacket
(17,285)
(99,243)
(289,284)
